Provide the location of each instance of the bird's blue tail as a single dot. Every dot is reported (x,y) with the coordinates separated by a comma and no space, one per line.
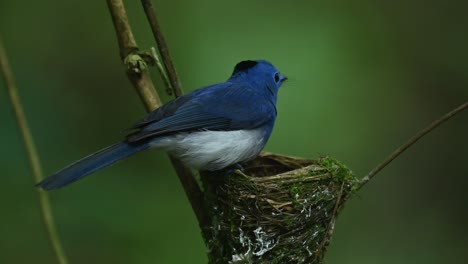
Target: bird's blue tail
(90,164)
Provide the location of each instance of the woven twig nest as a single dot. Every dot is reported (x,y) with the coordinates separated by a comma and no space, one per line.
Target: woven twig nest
(280,209)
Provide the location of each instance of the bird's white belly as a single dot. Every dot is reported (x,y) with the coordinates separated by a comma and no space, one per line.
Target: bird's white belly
(213,150)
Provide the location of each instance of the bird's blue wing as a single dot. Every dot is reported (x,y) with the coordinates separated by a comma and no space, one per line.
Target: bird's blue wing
(225,106)
(165,110)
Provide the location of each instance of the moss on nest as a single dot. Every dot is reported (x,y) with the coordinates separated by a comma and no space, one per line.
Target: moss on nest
(279,210)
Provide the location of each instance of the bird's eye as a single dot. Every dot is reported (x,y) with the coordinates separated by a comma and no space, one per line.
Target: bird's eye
(277,77)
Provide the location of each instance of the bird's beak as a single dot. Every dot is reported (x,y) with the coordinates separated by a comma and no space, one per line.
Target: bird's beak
(283,78)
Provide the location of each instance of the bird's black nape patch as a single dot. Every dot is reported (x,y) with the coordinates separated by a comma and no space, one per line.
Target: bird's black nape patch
(244,66)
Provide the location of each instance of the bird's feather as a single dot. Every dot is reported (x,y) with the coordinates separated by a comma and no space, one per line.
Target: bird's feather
(222,107)
(209,129)
(90,164)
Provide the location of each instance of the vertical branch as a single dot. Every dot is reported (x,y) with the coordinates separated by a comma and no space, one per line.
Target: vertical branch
(162,46)
(142,82)
(33,157)
(127,46)
(185,175)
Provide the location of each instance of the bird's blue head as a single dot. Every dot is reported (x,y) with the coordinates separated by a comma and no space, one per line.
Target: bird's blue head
(260,72)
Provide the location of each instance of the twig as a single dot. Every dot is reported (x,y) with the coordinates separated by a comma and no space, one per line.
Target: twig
(162,71)
(127,44)
(147,93)
(185,175)
(331,224)
(33,157)
(162,46)
(410,142)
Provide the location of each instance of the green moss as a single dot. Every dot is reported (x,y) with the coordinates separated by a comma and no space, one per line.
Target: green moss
(340,172)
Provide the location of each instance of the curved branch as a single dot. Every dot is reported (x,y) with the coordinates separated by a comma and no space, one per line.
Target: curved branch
(142,82)
(410,142)
(33,157)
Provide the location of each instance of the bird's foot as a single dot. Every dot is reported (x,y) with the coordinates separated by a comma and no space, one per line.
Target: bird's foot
(236,168)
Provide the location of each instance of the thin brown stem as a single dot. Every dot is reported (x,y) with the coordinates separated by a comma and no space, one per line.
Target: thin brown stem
(331,225)
(185,175)
(410,142)
(149,96)
(141,80)
(33,157)
(162,46)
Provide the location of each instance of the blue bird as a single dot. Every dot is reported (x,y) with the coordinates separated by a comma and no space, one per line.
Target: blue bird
(211,128)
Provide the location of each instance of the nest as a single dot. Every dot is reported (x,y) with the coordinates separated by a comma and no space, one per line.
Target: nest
(280,209)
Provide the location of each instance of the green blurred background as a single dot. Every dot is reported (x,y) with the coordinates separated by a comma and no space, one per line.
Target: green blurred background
(364,77)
